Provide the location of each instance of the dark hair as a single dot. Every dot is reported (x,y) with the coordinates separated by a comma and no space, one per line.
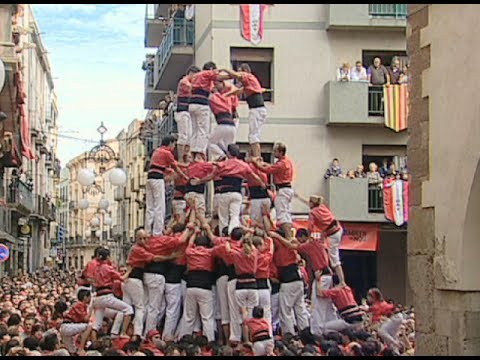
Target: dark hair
(302,232)
(13,320)
(192,69)
(148,352)
(103,254)
(335,159)
(201,341)
(234,150)
(168,140)
(49,343)
(245,67)
(225,231)
(59,308)
(178,228)
(171,348)
(225,350)
(192,350)
(11,344)
(334,351)
(280,231)
(209,65)
(131,347)
(82,294)
(370,348)
(202,240)
(257,312)
(138,229)
(112,352)
(31,343)
(95,252)
(281,147)
(237,233)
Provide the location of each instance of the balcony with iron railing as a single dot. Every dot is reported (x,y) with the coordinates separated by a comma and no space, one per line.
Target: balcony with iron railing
(366,16)
(20,196)
(175,53)
(154,26)
(152,97)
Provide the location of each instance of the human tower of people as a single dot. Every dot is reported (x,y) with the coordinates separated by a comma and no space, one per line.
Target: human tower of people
(234,276)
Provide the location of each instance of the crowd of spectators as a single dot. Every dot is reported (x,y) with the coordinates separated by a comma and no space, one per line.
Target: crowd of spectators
(377,74)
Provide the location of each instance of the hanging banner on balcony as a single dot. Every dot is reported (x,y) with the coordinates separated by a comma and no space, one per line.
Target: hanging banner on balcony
(396,106)
(395,201)
(251,22)
(356,237)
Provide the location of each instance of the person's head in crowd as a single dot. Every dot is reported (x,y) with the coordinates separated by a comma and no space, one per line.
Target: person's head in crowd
(279,150)
(49,342)
(113,352)
(169,141)
(302,235)
(395,64)
(225,350)
(103,254)
(4,315)
(131,348)
(173,350)
(237,233)
(374,295)
(14,320)
(38,330)
(377,62)
(193,350)
(315,200)
(155,338)
(46,312)
(61,352)
(360,169)
(209,65)
(346,67)
(141,236)
(334,351)
(28,323)
(351,174)
(358,65)
(11,344)
(372,167)
(31,343)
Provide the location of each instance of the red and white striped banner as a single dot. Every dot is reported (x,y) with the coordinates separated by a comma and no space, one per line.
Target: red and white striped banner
(251,22)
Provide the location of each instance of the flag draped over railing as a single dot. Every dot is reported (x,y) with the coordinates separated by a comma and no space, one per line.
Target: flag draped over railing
(396,106)
(252,22)
(395,197)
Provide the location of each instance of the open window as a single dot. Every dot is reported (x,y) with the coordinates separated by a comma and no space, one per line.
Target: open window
(385,56)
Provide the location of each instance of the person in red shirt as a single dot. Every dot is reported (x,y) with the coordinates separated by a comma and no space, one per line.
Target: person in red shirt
(258,328)
(198,169)
(179,204)
(182,116)
(104,278)
(199,105)
(225,132)
(257,115)
(259,196)
(378,306)
(76,321)
(282,172)
(162,163)
(232,172)
(90,269)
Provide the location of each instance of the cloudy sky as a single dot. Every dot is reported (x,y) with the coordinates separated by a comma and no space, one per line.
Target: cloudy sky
(96,53)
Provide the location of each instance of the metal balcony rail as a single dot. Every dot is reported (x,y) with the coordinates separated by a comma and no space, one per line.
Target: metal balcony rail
(375,101)
(180,32)
(397,11)
(21,193)
(375,200)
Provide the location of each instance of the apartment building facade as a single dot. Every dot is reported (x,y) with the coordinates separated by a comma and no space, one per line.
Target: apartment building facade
(317,117)
(29,166)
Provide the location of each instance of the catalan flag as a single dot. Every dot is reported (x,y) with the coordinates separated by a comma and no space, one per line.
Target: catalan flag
(395,99)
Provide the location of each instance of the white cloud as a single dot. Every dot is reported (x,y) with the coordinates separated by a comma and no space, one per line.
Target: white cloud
(86,8)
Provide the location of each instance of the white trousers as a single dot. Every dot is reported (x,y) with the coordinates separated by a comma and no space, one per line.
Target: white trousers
(181,326)
(179,207)
(256,119)
(199,300)
(215,204)
(117,317)
(229,206)
(173,297)
(133,294)
(333,251)
(155,206)
(155,285)
(247,298)
(184,127)
(389,329)
(260,348)
(68,333)
(256,211)
(337,326)
(275,298)
(222,311)
(235,312)
(200,198)
(220,138)
(109,301)
(200,115)
(265,301)
(323,310)
(283,205)
(291,298)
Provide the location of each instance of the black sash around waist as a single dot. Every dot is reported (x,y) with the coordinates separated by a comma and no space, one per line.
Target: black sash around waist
(182,103)
(200,97)
(255,101)
(289,273)
(275,287)
(136,273)
(175,273)
(261,335)
(230,184)
(231,272)
(157,267)
(262,284)
(257,192)
(200,188)
(155,172)
(281,186)
(202,279)
(352,314)
(246,281)
(225,118)
(216,186)
(104,290)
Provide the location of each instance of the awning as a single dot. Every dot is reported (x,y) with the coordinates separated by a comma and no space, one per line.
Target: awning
(356,237)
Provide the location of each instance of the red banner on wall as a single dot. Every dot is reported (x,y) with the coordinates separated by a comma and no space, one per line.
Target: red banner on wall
(357,237)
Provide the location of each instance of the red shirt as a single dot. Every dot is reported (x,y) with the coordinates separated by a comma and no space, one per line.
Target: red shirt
(341,297)
(245,264)
(256,326)
(180,181)
(106,275)
(78,313)
(381,308)
(320,218)
(233,99)
(264,260)
(220,103)
(200,258)
(162,158)
(273,270)
(182,260)
(282,171)
(184,88)
(163,245)
(317,254)
(204,80)
(91,268)
(117,289)
(251,84)
(283,255)
(234,168)
(139,257)
(222,253)
(253,182)
(199,169)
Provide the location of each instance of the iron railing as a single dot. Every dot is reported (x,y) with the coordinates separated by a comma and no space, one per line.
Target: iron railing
(20,193)
(375,101)
(375,200)
(180,32)
(397,11)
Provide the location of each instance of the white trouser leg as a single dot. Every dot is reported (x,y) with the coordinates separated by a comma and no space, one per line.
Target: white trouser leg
(256,119)
(200,199)
(184,127)
(222,299)
(220,138)
(275,310)
(222,200)
(200,115)
(291,298)
(256,211)
(181,324)
(215,205)
(133,295)
(264,300)
(389,329)
(155,211)
(247,298)
(337,325)
(156,288)
(235,207)
(174,306)
(203,300)
(283,205)
(260,347)
(109,301)
(179,207)
(68,332)
(333,251)
(323,309)
(235,314)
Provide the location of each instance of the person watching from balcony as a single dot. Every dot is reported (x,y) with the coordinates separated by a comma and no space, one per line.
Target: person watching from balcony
(334,169)
(384,168)
(360,172)
(373,176)
(350,174)
(394,71)
(377,73)
(358,72)
(343,72)
(403,79)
